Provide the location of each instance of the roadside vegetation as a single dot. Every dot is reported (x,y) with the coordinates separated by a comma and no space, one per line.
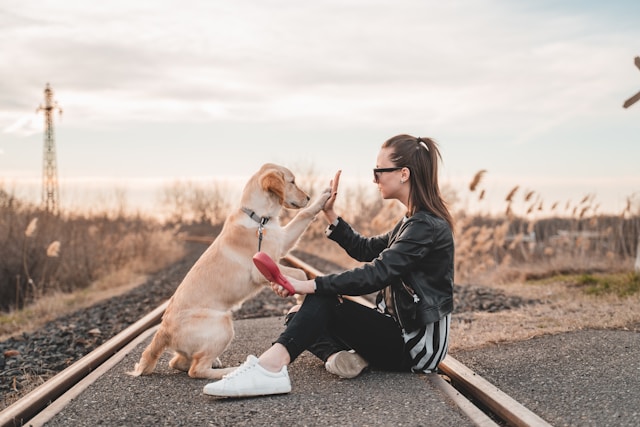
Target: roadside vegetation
(54,263)
(50,264)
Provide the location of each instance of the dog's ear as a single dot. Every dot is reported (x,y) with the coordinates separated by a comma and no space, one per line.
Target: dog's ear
(273,181)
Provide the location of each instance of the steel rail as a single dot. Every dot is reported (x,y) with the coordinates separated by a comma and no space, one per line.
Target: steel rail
(32,403)
(497,401)
(462,378)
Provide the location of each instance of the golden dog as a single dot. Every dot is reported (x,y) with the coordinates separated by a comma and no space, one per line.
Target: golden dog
(197,324)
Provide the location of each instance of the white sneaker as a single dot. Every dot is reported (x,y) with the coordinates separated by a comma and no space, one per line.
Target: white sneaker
(346,364)
(250,379)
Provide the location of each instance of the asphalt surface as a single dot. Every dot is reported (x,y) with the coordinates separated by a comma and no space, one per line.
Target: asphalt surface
(583,378)
(171,398)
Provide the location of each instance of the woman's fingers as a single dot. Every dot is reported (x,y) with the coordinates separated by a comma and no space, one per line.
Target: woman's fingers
(279,290)
(335,182)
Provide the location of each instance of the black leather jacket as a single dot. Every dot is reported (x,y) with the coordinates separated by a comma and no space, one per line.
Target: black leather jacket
(411,266)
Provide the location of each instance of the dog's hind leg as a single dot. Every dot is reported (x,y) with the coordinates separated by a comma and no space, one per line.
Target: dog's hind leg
(151,354)
(183,363)
(214,342)
(180,362)
(201,367)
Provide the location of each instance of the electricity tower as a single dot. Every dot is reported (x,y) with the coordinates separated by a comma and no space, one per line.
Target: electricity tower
(49,163)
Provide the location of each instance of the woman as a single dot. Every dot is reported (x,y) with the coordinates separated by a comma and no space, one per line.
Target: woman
(410,266)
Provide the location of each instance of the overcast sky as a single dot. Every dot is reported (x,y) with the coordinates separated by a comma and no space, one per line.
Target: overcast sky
(531,91)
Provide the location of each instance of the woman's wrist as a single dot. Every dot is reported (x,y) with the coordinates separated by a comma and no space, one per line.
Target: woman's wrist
(331,216)
(331,227)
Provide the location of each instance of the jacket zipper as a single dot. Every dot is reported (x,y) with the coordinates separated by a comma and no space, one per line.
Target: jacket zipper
(415,296)
(411,292)
(395,306)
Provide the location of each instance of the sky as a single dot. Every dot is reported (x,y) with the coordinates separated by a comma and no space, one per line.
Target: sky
(202,90)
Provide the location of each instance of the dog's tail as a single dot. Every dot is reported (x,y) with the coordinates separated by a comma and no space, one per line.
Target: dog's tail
(151,354)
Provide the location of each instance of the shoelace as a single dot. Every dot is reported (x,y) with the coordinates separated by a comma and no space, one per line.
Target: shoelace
(242,368)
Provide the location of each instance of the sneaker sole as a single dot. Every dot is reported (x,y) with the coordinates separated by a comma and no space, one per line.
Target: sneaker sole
(247,393)
(349,365)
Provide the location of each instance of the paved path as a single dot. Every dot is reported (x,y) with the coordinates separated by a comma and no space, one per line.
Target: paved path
(171,398)
(583,378)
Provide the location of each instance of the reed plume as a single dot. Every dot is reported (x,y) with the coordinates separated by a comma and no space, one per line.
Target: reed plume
(476,179)
(528,196)
(583,211)
(28,232)
(53,250)
(512,193)
(31,228)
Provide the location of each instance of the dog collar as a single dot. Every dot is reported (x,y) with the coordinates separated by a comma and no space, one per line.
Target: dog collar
(261,220)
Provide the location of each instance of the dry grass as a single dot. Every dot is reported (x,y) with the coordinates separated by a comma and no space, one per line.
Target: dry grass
(564,307)
(54,264)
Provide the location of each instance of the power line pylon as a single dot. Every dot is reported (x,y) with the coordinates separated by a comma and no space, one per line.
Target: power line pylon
(49,163)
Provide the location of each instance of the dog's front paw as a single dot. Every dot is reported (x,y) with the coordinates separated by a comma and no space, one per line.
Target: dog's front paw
(316,205)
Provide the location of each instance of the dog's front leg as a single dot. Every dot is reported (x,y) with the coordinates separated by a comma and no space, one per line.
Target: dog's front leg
(294,229)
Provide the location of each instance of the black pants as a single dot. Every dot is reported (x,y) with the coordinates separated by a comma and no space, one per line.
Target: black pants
(327,324)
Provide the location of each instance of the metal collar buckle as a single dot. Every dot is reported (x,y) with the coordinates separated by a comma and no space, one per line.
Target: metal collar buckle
(261,220)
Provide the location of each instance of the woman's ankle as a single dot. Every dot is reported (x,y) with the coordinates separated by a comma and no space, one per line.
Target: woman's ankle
(275,358)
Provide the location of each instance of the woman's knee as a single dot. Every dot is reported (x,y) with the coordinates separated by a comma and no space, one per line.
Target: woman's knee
(291,313)
(312,305)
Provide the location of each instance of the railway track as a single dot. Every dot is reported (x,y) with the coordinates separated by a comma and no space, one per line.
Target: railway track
(480,400)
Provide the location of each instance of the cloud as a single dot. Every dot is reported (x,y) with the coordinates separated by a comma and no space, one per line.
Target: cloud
(252,62)
(25,126)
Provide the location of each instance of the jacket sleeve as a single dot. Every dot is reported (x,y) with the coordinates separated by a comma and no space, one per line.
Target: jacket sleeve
(413,241)
(357,246)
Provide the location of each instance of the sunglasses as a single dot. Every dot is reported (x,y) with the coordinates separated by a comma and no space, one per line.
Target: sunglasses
(378,171)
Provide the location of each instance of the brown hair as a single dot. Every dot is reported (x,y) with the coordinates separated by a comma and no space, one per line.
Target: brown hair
(420,156)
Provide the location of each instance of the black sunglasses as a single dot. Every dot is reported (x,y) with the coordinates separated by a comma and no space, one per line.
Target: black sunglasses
(378,171)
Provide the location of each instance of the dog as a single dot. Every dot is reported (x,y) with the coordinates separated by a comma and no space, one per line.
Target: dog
(197,324)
